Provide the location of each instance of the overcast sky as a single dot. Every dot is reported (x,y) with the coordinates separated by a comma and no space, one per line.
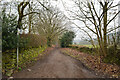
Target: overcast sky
(63,5)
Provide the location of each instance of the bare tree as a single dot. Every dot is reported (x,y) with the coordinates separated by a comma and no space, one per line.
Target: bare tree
(28,9)
(51,24)
(96,20)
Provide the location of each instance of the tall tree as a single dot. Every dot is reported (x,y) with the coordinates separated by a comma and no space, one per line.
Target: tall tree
(96,20)
(51,23)
(9,37)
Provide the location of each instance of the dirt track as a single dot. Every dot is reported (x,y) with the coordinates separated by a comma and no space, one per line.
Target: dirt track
(56,65)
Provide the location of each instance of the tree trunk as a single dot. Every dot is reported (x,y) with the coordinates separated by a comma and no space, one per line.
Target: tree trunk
(105,28)
(30,20)
(29,24)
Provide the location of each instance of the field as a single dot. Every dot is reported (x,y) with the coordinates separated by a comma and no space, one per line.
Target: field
(89,46)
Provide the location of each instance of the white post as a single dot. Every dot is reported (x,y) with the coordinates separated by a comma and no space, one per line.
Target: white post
(17,47)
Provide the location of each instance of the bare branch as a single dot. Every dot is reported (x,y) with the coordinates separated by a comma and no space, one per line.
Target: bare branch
(112,29)
(113,18)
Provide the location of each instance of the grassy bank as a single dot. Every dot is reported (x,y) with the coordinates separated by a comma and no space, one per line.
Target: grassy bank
(93,62)
(113,56)
(9,61)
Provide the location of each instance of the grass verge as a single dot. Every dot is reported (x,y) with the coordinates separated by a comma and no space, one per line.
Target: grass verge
(9,61)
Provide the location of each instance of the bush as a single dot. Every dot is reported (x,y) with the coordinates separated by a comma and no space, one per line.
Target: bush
(67,39)
(113,56)
(32,40)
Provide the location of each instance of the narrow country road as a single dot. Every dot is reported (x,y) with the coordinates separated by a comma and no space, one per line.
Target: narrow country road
(56,65)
